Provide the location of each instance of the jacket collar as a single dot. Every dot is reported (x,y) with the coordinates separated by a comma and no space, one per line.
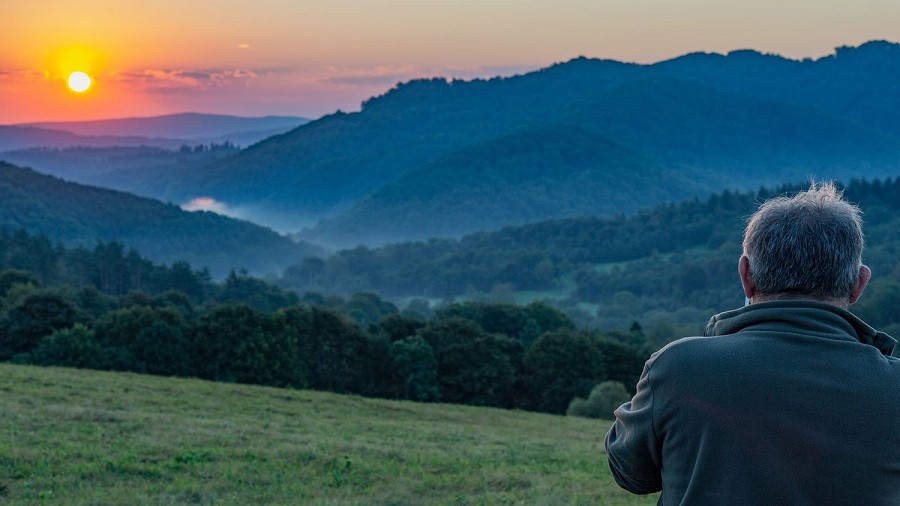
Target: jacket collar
(819,318)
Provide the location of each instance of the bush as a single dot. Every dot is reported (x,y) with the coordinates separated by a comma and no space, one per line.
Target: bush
(417,366)
(603,400)
(72,347)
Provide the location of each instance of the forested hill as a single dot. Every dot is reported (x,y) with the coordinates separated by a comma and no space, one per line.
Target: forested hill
(524,177)
(607,155)
(676,262)
(83,215)
(736,120)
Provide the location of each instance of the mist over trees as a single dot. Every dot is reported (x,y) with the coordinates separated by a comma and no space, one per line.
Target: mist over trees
(656,276)
(669,268)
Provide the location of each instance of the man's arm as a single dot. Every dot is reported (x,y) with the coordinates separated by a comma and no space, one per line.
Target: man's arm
(632,445)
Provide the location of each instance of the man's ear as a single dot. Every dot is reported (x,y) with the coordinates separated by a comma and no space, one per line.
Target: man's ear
(861,281)
(746,279)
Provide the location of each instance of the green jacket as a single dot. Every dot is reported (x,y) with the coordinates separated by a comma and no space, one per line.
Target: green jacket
(780,403)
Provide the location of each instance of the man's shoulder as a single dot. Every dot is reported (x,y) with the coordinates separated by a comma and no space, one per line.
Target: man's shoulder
(694,343)
(689,348)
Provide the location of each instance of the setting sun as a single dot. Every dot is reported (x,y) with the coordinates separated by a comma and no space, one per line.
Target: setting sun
(79,82)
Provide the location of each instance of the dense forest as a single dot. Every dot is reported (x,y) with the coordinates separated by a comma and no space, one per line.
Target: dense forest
(109,308)
(673,265)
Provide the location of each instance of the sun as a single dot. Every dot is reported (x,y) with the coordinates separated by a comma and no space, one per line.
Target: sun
(79,81)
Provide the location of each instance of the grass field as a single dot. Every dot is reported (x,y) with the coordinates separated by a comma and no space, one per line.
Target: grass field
(75,437)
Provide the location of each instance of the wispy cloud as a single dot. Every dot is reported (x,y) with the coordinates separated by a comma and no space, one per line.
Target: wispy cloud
(171,80)
(23,74)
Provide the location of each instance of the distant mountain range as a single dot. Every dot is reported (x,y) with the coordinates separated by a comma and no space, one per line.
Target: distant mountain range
(142,170)
(434,157)
(170,131)
(82,215)
(187,125)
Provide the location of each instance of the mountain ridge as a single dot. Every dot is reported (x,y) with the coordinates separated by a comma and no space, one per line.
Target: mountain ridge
(324,168)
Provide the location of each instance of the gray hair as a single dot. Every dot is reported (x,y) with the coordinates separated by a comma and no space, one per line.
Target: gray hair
(810,244)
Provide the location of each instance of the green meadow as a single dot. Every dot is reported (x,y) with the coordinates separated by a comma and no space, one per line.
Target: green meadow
(78,437)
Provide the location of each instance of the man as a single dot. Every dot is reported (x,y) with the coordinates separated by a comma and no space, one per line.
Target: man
(790,400)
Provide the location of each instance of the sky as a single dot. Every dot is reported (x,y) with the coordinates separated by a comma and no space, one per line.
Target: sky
(312,57)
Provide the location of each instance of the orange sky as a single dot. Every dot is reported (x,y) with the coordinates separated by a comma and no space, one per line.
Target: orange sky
(312,57)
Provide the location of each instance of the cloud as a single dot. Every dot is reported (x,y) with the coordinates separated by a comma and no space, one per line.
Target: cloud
(172,80)
(23,74)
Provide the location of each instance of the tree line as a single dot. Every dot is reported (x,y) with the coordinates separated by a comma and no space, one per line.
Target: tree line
(111,309)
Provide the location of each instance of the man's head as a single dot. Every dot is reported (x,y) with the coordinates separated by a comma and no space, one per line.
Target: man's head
(807,246)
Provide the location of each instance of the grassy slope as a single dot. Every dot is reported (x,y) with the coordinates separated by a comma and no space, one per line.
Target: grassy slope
(83,437)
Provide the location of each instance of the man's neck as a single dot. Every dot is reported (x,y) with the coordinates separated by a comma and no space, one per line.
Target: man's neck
(841,303)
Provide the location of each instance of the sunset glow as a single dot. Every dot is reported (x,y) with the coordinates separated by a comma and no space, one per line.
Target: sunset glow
(313,58)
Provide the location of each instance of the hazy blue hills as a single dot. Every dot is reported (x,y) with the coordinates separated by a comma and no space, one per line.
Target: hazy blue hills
(137,155)
(169,131)
(25,137)
(710,121)
(331,163)
(143,170)
(187,125)
(608,155)
(433,157)
(82,215)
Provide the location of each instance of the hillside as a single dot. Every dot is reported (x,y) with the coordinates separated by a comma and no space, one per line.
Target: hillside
(858,83)
(77,214)
(610,155)
(551,172)
(674,263)
(736,120)
(85,437)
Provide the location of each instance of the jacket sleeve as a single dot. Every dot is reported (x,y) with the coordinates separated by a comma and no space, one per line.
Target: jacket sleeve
(632,445)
